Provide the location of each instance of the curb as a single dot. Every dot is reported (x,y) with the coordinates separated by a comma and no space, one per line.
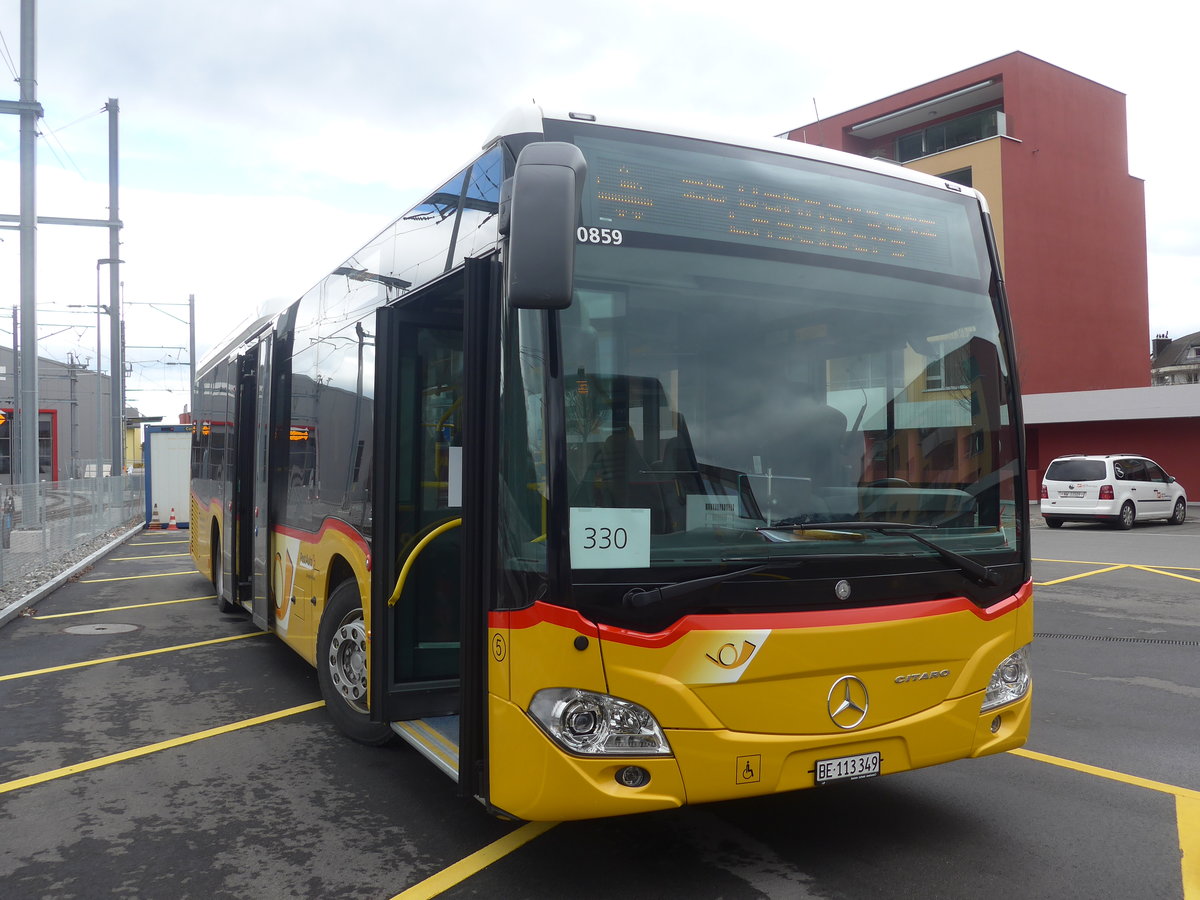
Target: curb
(13,610)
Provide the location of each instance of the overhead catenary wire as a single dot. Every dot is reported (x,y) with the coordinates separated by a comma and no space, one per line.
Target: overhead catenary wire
(7,55)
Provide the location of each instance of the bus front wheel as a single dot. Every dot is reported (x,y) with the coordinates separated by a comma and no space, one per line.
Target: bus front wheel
(342,667)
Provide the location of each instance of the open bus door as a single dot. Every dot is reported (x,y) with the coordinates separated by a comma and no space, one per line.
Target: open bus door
(238,533)
(259,524)
(433,517)
(247,534)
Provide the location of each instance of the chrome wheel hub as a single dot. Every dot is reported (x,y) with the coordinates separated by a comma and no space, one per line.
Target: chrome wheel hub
(348,661)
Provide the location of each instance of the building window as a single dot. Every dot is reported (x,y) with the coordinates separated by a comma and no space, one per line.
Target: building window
(959,176)
(45,444)
(950,369)
(947,135)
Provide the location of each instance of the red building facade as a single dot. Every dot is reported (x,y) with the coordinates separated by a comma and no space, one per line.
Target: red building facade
(1048,149)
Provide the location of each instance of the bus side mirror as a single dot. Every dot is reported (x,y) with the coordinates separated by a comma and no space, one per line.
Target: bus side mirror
(539,212)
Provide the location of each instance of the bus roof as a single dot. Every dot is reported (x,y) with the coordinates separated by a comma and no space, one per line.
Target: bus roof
(250,329)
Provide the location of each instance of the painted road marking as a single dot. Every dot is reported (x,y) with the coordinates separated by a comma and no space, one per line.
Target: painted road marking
(1112,567)
(1093,562)
(108,659)
(154,748)
(151,556)
(155,543)
(1080,575)
(476,862)
(1160,571)
(1187,812)
(136,577)
(91,612)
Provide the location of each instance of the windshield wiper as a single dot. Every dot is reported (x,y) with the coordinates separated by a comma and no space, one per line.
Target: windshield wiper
(982,574)
(639,597)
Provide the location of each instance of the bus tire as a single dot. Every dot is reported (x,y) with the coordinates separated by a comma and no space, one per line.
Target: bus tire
(341,667)
(218,573)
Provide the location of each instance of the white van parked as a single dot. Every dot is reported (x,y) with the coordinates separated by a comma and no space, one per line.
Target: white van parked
(1120,488)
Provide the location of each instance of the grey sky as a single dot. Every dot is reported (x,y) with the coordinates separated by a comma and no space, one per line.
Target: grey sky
(262,142)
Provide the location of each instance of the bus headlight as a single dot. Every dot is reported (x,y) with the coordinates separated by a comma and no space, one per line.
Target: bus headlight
(591,724)
(1010,681)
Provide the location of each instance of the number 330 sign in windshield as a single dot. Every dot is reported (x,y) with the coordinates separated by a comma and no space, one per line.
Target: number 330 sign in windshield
(610,538)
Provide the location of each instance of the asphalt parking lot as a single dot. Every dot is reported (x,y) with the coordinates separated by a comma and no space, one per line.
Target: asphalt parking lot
(153,747)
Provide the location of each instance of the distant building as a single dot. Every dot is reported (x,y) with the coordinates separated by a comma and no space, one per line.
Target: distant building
(135,424)
(1048,149)
(73,423)
(1176,361)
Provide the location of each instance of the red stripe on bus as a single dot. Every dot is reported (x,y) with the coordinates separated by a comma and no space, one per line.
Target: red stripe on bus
(313,537)
(827,618)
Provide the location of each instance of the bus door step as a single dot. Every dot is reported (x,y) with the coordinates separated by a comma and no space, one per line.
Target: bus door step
(435,738)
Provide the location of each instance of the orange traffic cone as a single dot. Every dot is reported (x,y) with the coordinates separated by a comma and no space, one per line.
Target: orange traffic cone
(154,523)
(172,526)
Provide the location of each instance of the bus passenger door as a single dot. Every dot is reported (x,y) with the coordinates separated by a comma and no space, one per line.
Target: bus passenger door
(426,641)
(239,528)
(418,504)
(260,526)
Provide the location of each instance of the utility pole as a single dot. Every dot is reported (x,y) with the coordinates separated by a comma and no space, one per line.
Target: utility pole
(192,356)
(27,412)
(14,426)
(117,366)
(73,368)
(25,406)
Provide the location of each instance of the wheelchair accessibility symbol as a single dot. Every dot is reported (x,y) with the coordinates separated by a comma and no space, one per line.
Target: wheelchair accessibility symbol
(748,769)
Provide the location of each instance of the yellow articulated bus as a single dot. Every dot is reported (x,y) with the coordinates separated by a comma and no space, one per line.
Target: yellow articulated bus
(632,469)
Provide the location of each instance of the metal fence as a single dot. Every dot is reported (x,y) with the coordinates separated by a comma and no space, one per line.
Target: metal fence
(46,527)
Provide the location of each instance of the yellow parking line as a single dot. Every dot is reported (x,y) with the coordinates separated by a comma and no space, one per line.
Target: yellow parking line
(136,577)
(1187,812)
(1080,575)
(475,863)
(1093,562)
(108,659)
(91,612)
(1135,780)
(154,748)
(1159,571)
(152,556)
(155,542)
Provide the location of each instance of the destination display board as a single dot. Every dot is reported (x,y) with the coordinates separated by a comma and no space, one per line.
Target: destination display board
(773,201)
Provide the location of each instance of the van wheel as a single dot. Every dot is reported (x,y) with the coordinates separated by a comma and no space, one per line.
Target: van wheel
(1179,514)
(342,667)
(1052,522)
(1126,519)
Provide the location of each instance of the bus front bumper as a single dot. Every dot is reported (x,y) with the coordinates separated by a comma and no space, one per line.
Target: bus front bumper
(531,778)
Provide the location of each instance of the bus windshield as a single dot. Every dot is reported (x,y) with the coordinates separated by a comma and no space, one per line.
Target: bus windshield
(760,345)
